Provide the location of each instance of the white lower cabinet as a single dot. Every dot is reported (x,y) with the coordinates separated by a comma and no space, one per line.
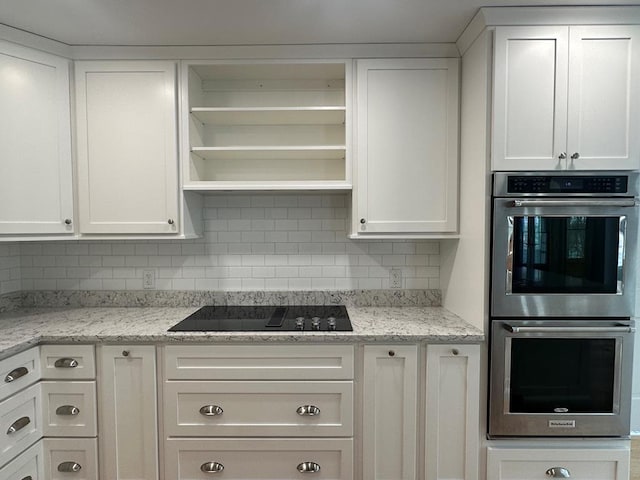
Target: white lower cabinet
(20,422)
(263,459)
(69,409)
(602,462)
(390,412)
(452,412)
(128,413)
(66,458)
(29,465)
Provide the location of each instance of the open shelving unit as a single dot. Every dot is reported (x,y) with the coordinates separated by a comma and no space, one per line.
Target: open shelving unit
(266,125)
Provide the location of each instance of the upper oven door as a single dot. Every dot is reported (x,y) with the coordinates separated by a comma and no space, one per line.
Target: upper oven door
(569,257)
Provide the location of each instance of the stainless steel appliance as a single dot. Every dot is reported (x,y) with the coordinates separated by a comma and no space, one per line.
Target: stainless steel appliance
(559,377)
(564,244)
(260,318)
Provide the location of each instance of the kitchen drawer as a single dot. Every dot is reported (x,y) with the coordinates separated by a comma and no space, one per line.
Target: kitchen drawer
(267,459)
(20,422)
(258,362)
(68,362)
(579,463)
(259,409)
(63,454)
(69,409)
(19,371)
(29,465)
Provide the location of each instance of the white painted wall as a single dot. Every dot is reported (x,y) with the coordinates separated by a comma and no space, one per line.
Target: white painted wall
(9,267)
(251,242)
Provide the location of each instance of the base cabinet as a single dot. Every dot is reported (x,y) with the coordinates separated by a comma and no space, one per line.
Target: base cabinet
(75,458)
(595,463)
(29,465)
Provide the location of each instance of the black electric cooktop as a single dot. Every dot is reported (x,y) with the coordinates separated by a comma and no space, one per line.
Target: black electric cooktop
(237,318)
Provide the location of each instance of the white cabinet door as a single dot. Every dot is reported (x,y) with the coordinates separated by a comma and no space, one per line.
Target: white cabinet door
(529,98)
(127,419)
(452,417)
(407,146)
(389,412)
(35,143)
(127,151)
(603,115)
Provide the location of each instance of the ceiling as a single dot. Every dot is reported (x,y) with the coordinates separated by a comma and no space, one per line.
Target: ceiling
(252,22)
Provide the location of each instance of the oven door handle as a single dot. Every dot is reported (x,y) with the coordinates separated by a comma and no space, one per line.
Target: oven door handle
(627,202)
(618,329)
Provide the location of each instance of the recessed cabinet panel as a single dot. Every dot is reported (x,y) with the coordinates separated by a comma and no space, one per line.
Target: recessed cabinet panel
(69,409)
(18,371)
(68,362)
(28,465)
(20,422)
(35,143)
(127,147)
(67,458)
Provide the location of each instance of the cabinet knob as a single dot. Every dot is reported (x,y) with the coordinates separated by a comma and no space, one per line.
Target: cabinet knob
(171,221)
(575,156)
(66,363)
(392,353)
(455,351)
(69,467)
(308,467)
(18,425)
(16,374)
(212,467)
(67,410)
(211,410)
(562,156)
(363,220)
(67,221)
(558,472)
(125,353)
(308,411)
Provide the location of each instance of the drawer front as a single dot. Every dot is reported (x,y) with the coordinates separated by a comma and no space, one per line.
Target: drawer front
(305,409)
(29,465)
(579,464)
(69,409)
(20,422)
(258,362)
(18,371)
(268,459)
(75,458)
(68,362)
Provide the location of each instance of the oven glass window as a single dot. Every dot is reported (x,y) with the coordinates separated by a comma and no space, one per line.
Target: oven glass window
(558,375)
(565,255)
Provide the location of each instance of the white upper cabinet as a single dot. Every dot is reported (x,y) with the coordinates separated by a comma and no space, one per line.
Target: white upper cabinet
(127,147)
(36,197)
(406,177)
(268,125)
(565,98)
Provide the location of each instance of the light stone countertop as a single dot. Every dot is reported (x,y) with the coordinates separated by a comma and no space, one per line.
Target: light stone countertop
(26,327)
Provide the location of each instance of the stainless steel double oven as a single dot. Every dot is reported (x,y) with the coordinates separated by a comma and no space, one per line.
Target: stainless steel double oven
(562,297)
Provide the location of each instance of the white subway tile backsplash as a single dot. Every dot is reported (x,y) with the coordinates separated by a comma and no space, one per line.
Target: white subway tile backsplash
(251,242)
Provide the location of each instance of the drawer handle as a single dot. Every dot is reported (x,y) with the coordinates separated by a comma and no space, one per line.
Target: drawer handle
(66,363)
(69,467)
(212,467)
(211,410)
(16,374)
(67,410)
(18,425)
(308,411)
(558,472)
(28,477)
(308,467)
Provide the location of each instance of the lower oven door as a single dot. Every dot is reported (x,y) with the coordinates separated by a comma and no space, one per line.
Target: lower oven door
(560,378)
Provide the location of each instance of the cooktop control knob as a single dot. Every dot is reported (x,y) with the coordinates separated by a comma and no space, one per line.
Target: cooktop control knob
(315,323)
(300,323)
(331,323)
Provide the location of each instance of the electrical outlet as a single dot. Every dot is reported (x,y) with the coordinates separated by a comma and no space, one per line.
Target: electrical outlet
(149,279)
(395,278)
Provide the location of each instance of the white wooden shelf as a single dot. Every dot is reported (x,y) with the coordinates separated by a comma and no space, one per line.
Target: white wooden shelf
(324,115)
(271,153)
(247,185)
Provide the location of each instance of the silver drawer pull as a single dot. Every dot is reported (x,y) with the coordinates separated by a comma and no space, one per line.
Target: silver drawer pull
(16,374)
(558,472)
(18,425)
(308,467)
(66,363)
(211,410)
(69,467)
(67,410)
(28,477)
(212,467)
(308,411)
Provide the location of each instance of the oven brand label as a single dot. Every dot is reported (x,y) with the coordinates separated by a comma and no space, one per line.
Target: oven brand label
(562,424)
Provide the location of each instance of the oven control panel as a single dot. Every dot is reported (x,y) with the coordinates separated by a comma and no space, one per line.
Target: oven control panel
(610,184)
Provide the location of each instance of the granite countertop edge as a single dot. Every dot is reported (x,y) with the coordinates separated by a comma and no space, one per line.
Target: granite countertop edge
(27,327)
